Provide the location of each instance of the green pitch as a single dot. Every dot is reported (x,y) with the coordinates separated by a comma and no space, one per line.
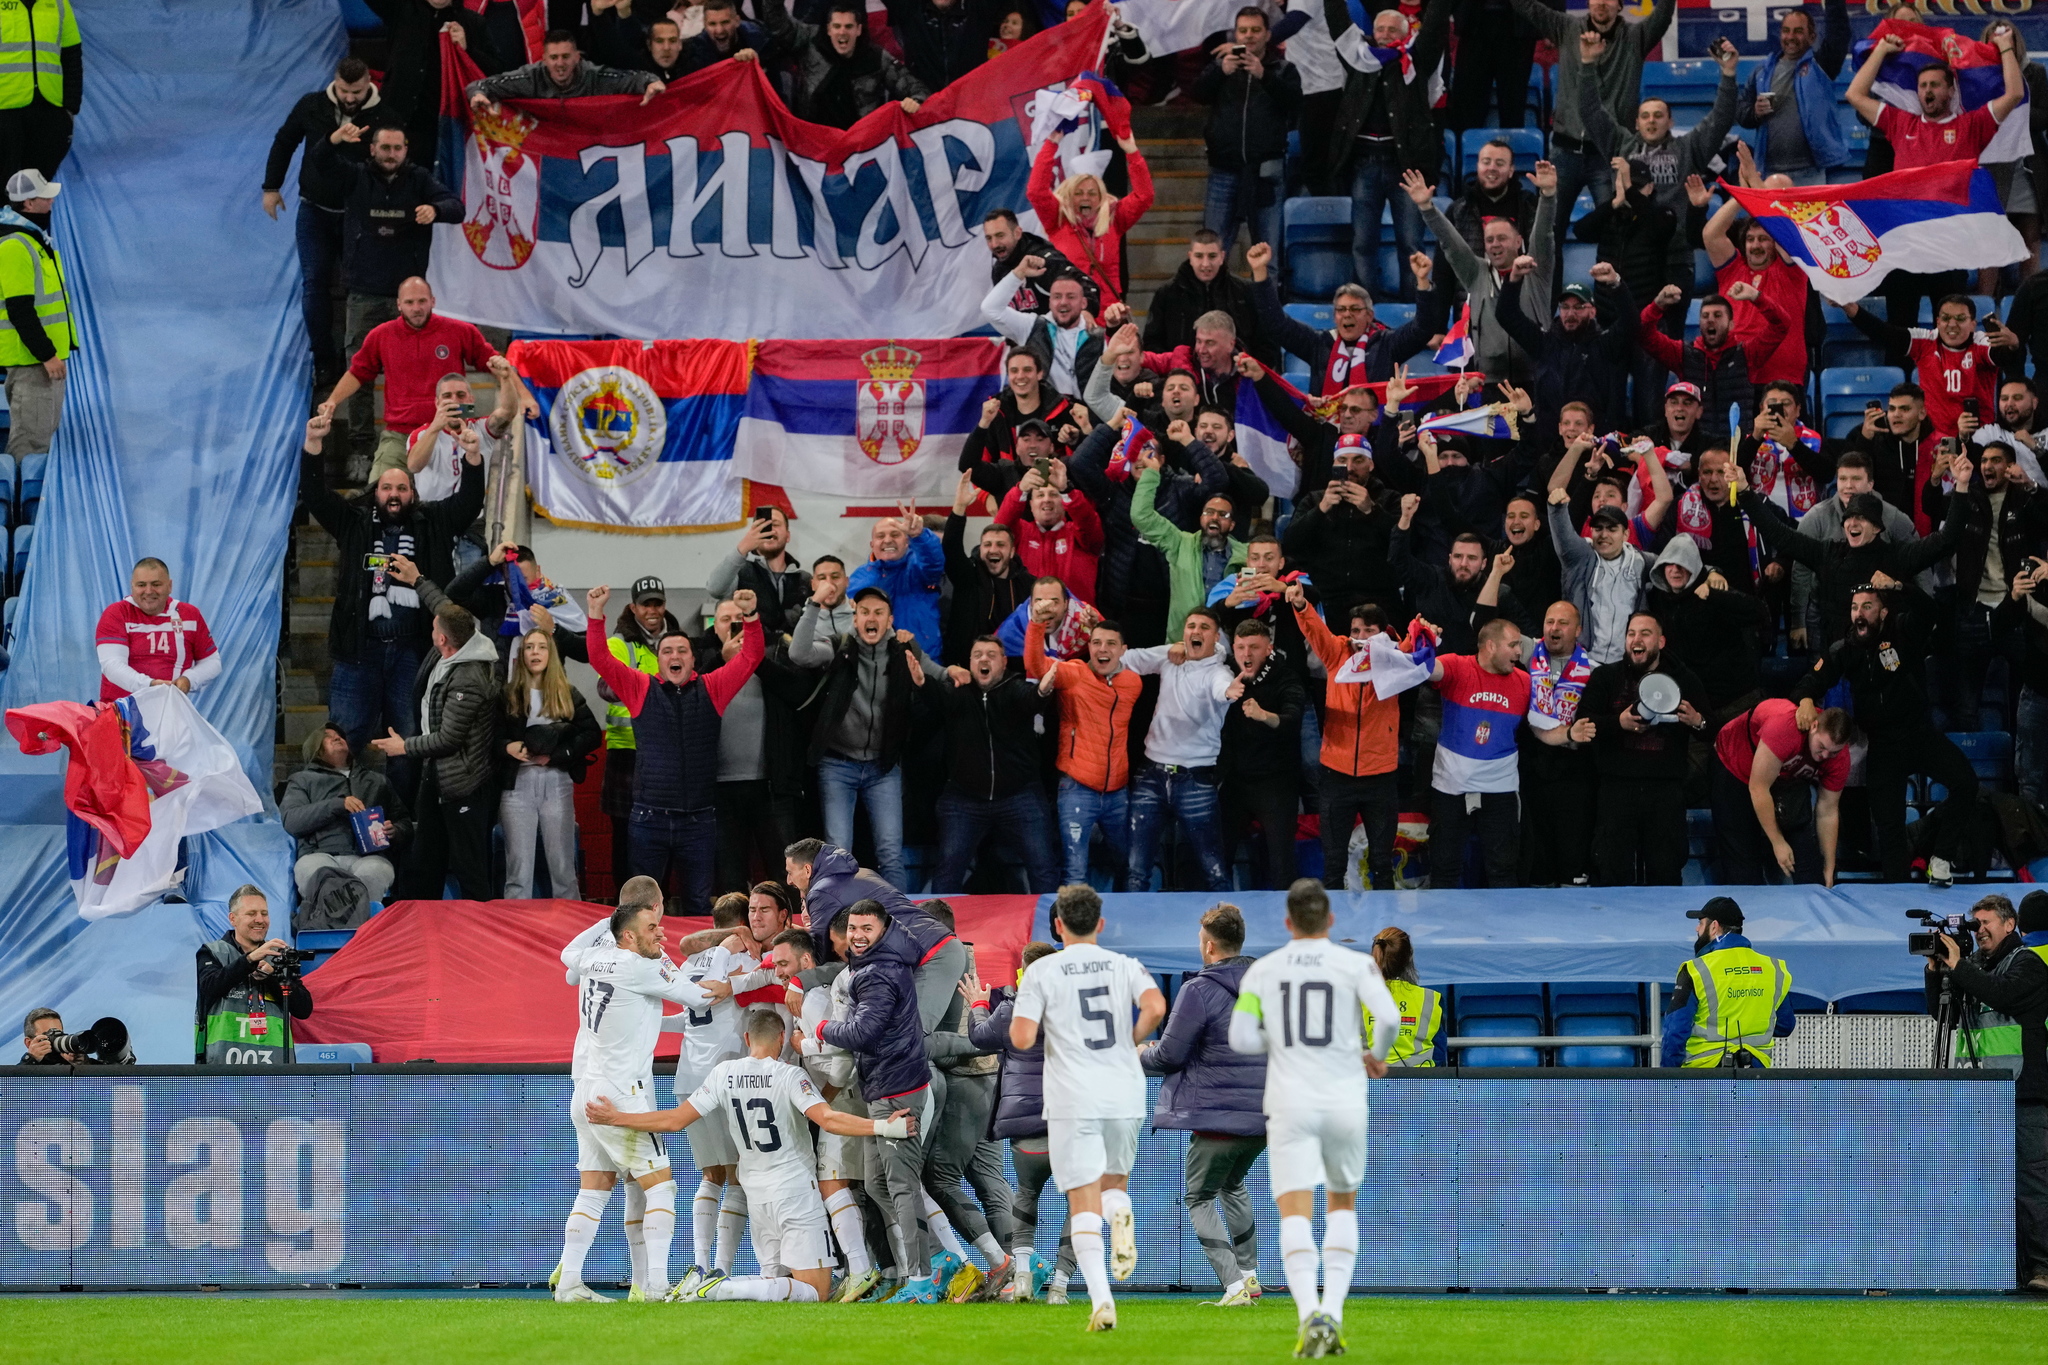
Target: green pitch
(263,1329)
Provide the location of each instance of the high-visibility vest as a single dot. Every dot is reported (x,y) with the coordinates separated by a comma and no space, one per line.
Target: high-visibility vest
(1737,992)
(30,269)
(249,1026)
(1993,1038)
(1422,1011)
(32,43)
(618,721)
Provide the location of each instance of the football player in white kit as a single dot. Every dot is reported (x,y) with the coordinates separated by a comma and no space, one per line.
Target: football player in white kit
(711,1034)
(768,1102)
(1083,998)
(1302,1007)
(619,1019)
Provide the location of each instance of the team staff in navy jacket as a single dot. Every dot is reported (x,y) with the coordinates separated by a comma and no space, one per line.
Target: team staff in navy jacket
(1020,1117)
(831,881)
(1218,1095)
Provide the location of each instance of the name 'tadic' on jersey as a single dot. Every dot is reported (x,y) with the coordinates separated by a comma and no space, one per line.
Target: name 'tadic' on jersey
(1309,998)
(1083,998)
(618,1008)
(763,1101)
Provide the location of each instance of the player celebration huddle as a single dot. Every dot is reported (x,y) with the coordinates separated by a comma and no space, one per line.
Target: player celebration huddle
(842,1075)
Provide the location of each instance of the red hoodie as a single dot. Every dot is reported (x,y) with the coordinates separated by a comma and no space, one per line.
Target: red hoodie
(1068,552)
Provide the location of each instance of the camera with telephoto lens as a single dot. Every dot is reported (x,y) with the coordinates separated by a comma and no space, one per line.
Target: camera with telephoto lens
(106,1042)
(1927,942)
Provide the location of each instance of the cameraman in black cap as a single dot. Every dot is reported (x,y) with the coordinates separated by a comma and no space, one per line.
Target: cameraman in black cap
(2007,978)
(1732,1003)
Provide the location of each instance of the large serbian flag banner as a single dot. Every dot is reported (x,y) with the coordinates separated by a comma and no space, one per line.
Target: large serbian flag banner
(870,419)
(1847,238)
(634,436)
(714,212)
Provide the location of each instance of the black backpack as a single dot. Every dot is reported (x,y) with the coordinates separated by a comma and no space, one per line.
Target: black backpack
(335,900)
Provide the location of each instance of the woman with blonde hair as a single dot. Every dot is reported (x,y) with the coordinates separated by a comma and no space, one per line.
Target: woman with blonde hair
(1422,1009)
(547,733)
(1084,221)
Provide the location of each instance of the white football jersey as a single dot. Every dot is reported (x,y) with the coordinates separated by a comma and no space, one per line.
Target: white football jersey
(598,935)
(1084,998)
(764,1100)
(711,1031)
(619,1014)
(1309,998)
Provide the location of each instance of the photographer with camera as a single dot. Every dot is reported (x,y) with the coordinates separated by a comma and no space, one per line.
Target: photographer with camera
(45,1042)
(2004,998)
(249,989)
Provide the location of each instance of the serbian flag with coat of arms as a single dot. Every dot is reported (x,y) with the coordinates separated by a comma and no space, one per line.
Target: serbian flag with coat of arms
(868,419)
(1979,79)
(632,435)
(1847,238)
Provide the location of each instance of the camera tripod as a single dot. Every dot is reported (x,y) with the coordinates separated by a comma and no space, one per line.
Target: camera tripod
(1950,1019)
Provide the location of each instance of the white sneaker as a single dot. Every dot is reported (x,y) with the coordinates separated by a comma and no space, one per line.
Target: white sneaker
(1123,1244)
(1055,1296)
(1103,1319)
(579,1293)
(1940,874)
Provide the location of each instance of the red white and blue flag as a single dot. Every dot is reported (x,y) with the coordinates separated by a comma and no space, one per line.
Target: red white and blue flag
(1979,75)
(1847,238)
(867,419)
(634,436)
(1488,419)
(1456,352)
(714,210)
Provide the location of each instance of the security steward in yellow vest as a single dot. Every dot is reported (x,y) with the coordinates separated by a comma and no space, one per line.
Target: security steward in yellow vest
(1732,1003)
(42,74)
(35,337)
(2004,985)
(632,643)
(1422,1009)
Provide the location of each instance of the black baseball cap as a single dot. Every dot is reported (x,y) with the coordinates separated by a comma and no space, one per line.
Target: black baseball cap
(1033,426)
(872,591)
(648,589)
(1609,515)
(2033,917)
(1721,908)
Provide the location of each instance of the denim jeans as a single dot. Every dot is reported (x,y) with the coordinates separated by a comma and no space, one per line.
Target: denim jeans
(1376,180)
(1157,791)
(1018,824)
(843,781)
(686,838)
(1577,170)
(1250,197)
(1081,809)
(373,693)
(1976,646)
(2030,737)
(319,237)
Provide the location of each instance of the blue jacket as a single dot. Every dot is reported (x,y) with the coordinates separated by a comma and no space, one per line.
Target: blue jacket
(1813,88)
(1020,1091)
(884,1033)
(1678,1023)
(1209,1088)
(837,881)
(912,583)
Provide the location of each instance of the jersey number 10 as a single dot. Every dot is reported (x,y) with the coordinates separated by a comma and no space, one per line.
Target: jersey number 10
(1296,1013)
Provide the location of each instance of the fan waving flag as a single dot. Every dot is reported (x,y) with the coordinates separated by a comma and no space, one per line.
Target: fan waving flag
(634,436)
(1847,238)
(1979,79)
(1263,441)
(1456,351)
(1488,419)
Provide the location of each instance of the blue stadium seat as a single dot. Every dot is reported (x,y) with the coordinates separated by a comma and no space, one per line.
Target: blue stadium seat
(1527,144)
(1990,755)
(18,560)
(1392,313)
(1857,134)
(333,1052)
(32,467)
(1603,1054)
(7,614)
(8,475)
(1316,315)
(1847,390)
(1692,80)
(1298,375)
(1315,233)
(1506,1026)
(1579,259)
(1581,999)
(1493,1001)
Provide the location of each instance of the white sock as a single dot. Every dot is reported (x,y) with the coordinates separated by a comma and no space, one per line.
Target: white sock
(659,1231)
(1233,1287)
(991,1250)
(1115,1202)
(1060,1279)
(764,1289)
(941,1228)
(585,1217)
(1021,1265)
(1340,1254)
(704,1223)
(635,1211)
(732,1216)
(844,1212)
(1298,1255)
(1088,1255)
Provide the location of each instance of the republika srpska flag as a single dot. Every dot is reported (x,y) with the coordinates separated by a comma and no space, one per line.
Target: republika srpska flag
(1847,238)
(634,436)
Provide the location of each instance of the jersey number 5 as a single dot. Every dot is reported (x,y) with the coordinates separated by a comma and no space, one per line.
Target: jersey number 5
(765,1138)
(597,998)
(1103,1017)
(1298,1016)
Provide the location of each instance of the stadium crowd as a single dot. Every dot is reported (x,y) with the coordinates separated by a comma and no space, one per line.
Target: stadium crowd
(1642,582)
